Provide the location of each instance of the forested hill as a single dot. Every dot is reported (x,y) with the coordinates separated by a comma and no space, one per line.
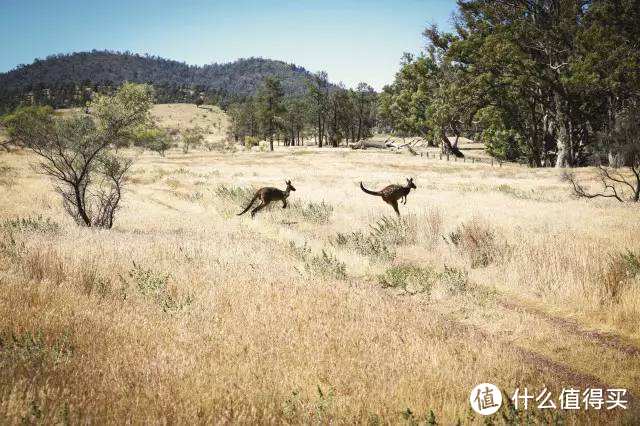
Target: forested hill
(66,80)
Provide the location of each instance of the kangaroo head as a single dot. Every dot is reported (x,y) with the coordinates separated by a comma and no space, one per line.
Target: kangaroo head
(410,183)
(289,186)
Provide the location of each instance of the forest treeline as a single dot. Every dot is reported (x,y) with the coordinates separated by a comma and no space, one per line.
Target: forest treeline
(330,114)
(544,82)
(70,80)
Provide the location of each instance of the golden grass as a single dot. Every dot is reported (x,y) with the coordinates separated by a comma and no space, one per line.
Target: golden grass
(186,313)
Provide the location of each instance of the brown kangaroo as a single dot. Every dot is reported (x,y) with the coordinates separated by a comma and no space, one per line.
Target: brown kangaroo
(392,193)
(267,195)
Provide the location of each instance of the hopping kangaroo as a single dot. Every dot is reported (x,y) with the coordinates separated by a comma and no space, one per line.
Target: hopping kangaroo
(267,195)
(392,193)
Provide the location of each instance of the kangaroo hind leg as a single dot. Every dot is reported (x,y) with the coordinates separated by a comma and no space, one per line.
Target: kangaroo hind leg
(261,206)
(394,204)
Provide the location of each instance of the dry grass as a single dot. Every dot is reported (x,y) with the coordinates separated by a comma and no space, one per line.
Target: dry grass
(186,313)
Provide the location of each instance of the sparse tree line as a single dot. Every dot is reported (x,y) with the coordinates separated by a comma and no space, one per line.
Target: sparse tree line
(331,115)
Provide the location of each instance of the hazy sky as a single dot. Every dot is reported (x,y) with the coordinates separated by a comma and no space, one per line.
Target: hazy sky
(352,40)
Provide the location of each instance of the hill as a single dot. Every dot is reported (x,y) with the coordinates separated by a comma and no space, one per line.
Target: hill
(66,80)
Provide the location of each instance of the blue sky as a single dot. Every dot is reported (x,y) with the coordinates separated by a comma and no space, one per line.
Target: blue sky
(352,40)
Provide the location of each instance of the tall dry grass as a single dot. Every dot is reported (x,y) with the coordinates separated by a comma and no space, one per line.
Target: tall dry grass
(330,311)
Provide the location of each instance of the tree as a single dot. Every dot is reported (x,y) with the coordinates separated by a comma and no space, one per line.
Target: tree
(624,142)
(153,138)
(192,138)
(270,108)
(318,93)
(77,151)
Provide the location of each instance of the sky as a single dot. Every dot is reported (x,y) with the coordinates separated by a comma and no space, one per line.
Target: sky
(352,40)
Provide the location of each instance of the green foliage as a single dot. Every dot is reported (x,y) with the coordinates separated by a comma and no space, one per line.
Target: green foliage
(153,138)
(394,230)
(235,194)
(454,280)
(366,245)
(251,141)
(270,108)
(77,151)
(192,138)
(313,212)
(384,234)
(632,262)
(30,224)
(410,279)
(154,286)
(325,264)
(500,142)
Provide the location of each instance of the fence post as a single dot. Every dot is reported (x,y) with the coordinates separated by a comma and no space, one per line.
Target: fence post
(447,156)
(491,161)
(441,156)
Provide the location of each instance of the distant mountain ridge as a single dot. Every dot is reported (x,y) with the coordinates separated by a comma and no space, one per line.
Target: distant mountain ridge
(57,76)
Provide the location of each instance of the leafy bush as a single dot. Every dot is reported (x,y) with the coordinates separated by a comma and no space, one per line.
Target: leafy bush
(154,285)
(383,235)
(618,274)
(454,280)
(251,141)
(411,279)
(30,224)
(322,264)
(394,230)
(235,194)
(313,212)
(365,245)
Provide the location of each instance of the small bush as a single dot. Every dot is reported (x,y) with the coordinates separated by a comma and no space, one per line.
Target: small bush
(383,236)
(322,264)
(478,241)
(365,245)
(455,281)
(394,230)
(618,274)
(251,141)
(411,279)
(30,224)
(235,194)
(314,212)
(154,285)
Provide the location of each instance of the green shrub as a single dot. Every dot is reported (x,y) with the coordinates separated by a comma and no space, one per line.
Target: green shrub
(365,245)
(154,285)
(30,224)
(379,242)
(411,279)
(454,280)
(394,230)
(251,141)
(322,264)
(235,194)
(313,212)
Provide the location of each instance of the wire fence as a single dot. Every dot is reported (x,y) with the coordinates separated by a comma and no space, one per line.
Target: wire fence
(466,159)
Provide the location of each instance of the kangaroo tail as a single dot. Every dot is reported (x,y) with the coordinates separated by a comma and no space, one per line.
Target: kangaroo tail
(249,206)
(369,192)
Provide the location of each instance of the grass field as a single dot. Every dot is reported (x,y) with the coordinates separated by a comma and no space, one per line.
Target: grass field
(331,310)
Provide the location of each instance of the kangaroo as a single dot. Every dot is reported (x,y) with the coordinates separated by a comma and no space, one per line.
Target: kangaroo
(267,195)
(392,193)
